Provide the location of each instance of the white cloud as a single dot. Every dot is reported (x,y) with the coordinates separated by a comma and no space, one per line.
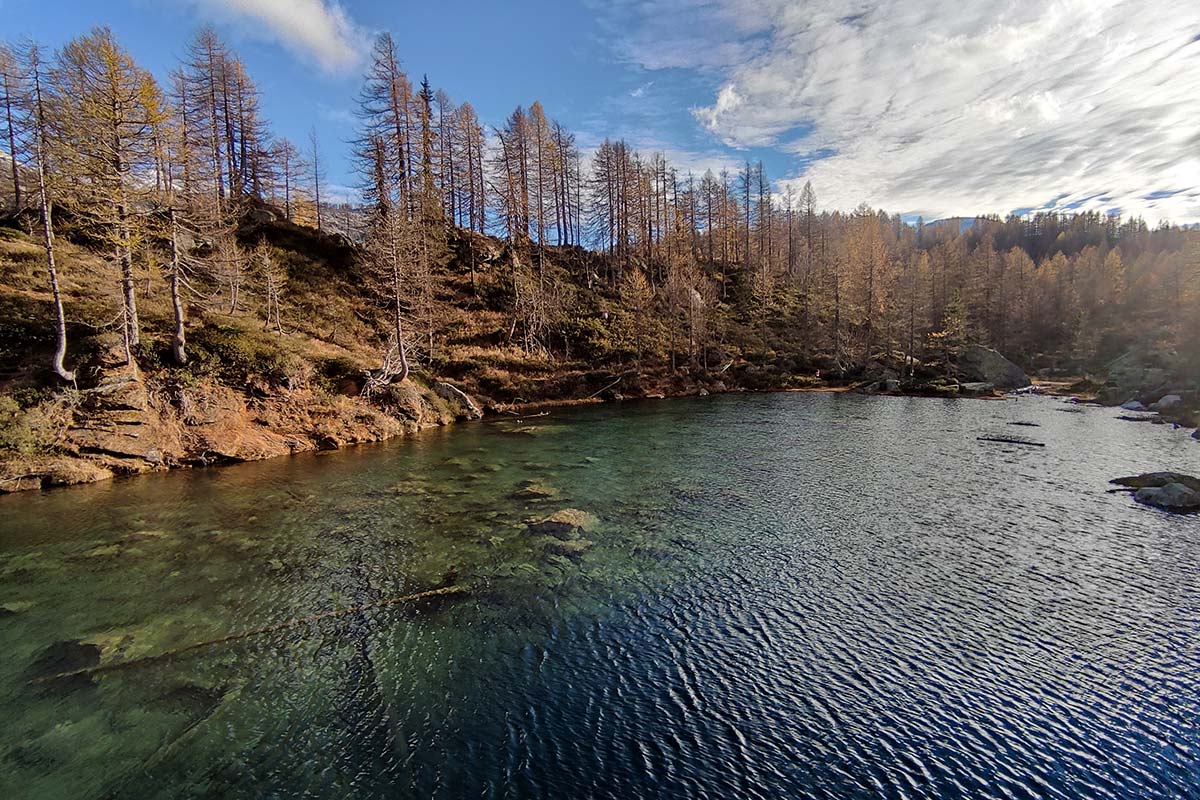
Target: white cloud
(320,29)
(947,107)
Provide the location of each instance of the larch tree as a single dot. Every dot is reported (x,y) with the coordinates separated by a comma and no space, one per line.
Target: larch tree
(289,165)
(637,299)
(109,108)
(175,194)
(39,136)
(317,172)
(12,95)
(379,154)
(385,109)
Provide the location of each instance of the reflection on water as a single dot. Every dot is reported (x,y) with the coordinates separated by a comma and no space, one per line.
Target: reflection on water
(789,595)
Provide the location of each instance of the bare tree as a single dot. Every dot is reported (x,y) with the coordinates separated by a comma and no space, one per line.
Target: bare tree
(318,171)
(39,135)
(12,92)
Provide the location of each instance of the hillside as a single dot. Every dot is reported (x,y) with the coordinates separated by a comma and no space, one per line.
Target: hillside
(251,390)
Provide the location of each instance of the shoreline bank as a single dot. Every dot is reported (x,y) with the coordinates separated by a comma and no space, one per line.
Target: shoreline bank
(53,471)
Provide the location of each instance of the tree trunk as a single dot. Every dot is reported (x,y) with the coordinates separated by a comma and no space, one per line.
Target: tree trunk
(12,145)
(60,350)
(179,340)
(47,208)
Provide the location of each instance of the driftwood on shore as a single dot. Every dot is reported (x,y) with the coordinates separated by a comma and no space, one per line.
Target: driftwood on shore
(430,594)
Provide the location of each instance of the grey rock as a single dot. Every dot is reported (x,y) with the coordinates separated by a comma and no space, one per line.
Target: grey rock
(1158,480)
(979,364)
(1196,434)
(1173,497)
(977,388)
(1164,403)
(1133,405)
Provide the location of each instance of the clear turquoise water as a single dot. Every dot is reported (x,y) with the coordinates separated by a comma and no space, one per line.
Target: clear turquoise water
(787,596)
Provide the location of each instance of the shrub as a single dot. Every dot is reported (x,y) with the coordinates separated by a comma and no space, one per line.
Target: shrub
(237,355)
(34,429)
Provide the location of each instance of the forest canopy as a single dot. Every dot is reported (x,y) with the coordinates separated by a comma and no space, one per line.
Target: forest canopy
(613,254)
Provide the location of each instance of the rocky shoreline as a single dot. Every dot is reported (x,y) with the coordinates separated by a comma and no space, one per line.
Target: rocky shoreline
(128,424)
(131,424)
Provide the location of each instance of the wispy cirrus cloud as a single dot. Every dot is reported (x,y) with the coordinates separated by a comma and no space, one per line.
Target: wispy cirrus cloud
(317,29)
(952,106)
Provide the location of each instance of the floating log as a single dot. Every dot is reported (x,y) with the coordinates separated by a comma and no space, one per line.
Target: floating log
(1009,440)
(236,637)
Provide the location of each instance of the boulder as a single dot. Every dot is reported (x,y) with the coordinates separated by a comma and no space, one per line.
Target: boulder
(261,216)
(1196,434)
(1167,402)
(1133,405)
(1139,371)
(977,388)
(979,364)
(1158,480)
(1174,497)
(568,523)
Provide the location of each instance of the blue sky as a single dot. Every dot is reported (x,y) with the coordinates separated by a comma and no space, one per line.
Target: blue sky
(940,108)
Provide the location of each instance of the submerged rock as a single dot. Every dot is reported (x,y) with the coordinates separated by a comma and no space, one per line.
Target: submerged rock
(190,699)
(66,656)
(14,607)
(535,490)
(571,548)
(569,523)
(1196,434)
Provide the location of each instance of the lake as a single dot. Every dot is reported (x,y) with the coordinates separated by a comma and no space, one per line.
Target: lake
(793,595)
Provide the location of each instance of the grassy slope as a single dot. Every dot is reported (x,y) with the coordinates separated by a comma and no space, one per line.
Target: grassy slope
(248,392)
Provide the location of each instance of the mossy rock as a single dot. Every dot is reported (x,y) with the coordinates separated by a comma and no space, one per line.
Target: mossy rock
(569,523)
(536,490)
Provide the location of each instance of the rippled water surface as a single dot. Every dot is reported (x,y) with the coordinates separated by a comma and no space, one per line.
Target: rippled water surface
(787,596)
